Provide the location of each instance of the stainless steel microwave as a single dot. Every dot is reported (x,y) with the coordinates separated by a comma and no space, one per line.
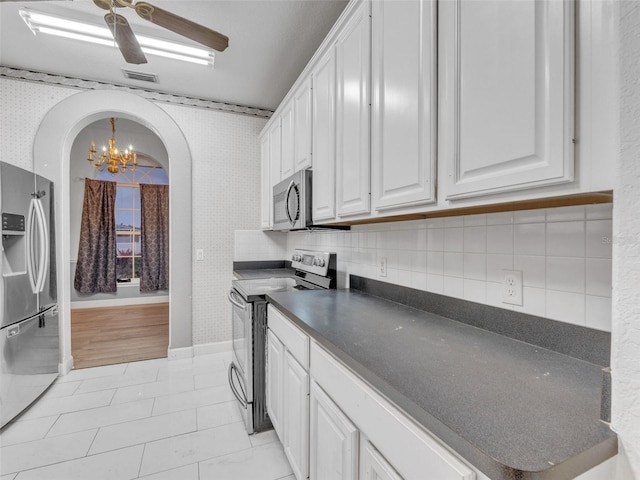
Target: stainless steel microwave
(292,202)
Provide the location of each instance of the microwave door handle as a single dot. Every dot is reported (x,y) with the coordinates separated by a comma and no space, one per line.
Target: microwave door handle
(286,202)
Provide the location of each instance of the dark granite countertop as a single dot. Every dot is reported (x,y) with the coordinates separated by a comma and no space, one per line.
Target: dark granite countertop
(512,409)
(248,274)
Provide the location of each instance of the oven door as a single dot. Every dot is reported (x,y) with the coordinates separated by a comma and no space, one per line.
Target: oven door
(241,367)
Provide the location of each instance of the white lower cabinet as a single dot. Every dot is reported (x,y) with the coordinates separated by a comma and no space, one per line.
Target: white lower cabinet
(334,440)
(296,412)
(373,466)
(274,382)
(287,389)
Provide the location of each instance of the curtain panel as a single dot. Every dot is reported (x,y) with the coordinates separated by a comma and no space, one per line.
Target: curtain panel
(154,238)
(96,268)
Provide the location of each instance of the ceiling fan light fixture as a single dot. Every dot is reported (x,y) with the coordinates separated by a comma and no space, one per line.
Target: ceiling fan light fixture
(39,22)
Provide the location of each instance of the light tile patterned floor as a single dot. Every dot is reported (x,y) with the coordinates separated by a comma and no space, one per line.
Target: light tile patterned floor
(154,420)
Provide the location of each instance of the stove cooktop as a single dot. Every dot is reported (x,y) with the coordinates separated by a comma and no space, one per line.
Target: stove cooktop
(258,287)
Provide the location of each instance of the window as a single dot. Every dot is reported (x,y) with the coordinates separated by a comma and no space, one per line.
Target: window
(128,226)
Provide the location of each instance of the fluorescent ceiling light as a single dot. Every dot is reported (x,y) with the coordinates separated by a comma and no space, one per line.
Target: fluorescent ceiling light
(40,22)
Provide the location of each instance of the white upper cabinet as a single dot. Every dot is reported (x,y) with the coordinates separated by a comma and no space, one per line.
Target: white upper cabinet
(404,113)
(302,121)
(266,195)
(324,154)
(275,150)
(287,135)
(506,95)
(353,52)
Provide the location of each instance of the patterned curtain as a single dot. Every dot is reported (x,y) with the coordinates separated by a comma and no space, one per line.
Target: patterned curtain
(96,268)
(154,238)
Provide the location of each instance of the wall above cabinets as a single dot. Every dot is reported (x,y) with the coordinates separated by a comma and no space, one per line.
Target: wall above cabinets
(410,111)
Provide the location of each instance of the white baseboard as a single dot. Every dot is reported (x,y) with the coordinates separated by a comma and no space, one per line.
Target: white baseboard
(65,366)
(119,302)
(180,353)
(213,347)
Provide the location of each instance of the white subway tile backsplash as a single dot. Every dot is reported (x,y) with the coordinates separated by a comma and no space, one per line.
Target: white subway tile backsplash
(565,214)
(474,290)
(453,239)
(435,283)
(599,240)
(565,274)
(534,301)
(475,266)
(566,239)
(474,220)
(497,263)
(598,271)
(600,211)
(502,218)
(435,263)
(450,222)
(453,264)
(530,216)
(435,239)
(566,307)
(598,312)
(474,239)
(533,268)
(500,239)
(565,262)
(529,239)
(453,287)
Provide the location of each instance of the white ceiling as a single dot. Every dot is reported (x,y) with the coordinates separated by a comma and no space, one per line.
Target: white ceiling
(270,42)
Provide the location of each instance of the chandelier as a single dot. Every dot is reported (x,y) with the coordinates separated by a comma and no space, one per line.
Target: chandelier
(114,159)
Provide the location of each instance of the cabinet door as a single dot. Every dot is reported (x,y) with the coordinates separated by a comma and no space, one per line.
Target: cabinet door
(506,95)
(302,126)
(324,164)
(353,52)
(274,382)
(275,150)
(373,466)
(334,440)
(296,411)
(266,190)
(404,114)
(287,134)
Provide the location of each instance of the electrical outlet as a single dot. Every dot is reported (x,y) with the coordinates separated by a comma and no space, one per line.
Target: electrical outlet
(512,287)
(199,254)
(383,266)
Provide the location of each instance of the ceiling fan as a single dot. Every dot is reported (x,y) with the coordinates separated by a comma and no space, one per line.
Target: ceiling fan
(126,39)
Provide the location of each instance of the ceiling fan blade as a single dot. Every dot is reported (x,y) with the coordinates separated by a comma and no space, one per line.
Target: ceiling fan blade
(107,4)
(126,40)
(182,26)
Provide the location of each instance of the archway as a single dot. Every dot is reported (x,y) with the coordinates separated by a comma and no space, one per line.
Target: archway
(52,150)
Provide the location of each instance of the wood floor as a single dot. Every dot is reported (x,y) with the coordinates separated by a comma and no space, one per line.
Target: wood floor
(104,336)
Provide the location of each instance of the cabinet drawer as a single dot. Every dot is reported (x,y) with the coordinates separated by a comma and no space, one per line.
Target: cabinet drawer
(409,448)
(294,339)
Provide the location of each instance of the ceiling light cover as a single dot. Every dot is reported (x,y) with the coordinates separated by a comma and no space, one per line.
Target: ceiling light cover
(40,22)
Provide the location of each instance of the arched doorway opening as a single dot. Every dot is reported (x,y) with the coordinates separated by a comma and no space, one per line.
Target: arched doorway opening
(52,151)
(131,323)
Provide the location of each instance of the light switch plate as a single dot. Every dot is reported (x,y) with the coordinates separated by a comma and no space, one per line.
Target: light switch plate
(199,254)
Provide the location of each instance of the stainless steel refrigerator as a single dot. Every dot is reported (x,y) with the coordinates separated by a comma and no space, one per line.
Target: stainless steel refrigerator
(29,337)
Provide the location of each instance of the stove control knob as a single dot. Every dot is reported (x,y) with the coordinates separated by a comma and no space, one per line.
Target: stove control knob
(318,262)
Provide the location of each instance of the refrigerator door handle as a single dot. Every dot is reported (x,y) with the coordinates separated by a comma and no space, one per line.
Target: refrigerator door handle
(30,246)
(43,246)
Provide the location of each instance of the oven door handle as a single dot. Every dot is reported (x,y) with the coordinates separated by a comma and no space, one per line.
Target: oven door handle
(233,299)
(233,374)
